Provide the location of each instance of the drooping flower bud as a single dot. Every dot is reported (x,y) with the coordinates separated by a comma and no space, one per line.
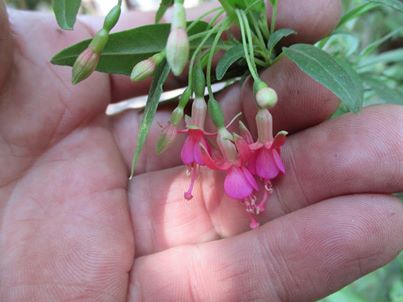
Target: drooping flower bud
(199,111)
(198,80)
(177,115)
(88,60)
(266,97)
(177,50)
(112,18)
(215,113)
(177,47)
(264,123)
(85,65)
(146,68)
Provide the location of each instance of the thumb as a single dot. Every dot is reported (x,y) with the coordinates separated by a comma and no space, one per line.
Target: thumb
(5,45)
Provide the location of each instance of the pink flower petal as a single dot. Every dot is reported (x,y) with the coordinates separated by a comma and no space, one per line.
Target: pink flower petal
(249,177)
(278,160)
(187,151)
(245,153)
(279,140)
(266,166)
(211,163)
(236,185)
(197,150)
(252,164)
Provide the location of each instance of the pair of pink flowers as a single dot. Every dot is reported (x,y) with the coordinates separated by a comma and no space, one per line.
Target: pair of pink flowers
(245,162)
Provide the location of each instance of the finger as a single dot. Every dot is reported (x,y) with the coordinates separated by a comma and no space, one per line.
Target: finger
(354,154)
(303,256)
(302,103)
(5,45)
(311,19)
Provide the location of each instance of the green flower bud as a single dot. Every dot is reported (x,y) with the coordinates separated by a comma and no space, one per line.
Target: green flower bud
(199,80)
(184,99)
(99,41)
(112,18)
(215,113)
(179,16)
(177,115)
(177,50)
(85,65)
(266,97)
(146,68)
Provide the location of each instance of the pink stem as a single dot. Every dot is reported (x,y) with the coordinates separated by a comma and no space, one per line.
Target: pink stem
(193,170)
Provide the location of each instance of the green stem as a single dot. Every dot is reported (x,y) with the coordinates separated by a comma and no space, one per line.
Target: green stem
(222,28)
(274,16)
(245,44)
(206,14)
(228,9)
(197,51)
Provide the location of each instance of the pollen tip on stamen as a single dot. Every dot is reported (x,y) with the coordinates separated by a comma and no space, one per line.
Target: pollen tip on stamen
(188,195)
(253,223)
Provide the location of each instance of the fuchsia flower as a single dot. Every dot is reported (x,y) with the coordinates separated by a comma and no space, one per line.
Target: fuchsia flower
(239,182)
(263,156)
(195,140)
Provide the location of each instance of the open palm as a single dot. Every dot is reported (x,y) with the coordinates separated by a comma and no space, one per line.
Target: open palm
(74,228)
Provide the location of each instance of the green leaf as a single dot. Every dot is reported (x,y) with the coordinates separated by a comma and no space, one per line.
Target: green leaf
(230,57)
(384,92)
(395,4)
(125,49)
(154,95)
(277,36)
(374,45)
(340,78)
(355,13)
(164,5)
(391,56)
(66,12)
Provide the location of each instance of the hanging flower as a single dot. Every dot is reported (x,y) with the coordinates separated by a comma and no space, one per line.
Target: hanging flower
(239,183)
(195,140)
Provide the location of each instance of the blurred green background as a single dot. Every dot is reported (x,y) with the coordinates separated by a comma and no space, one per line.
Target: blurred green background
(372,42)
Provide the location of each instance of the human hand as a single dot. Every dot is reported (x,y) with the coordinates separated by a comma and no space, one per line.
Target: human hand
(74,228)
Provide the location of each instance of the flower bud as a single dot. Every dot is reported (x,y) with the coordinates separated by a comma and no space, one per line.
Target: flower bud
(112,18)
(146,68)
(227,147)
(85,65)
(215,113)
(198,80)
(199,111)
(99,41)
(179,15)
(266,97)
(177,50)
(264,123)
(167,137)
(177,116)
(184,99)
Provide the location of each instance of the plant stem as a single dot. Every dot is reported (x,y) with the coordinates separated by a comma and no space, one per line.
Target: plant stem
(248,56)
(197,51)
(274,16)
(228,8)
(208,13)
(222,28)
